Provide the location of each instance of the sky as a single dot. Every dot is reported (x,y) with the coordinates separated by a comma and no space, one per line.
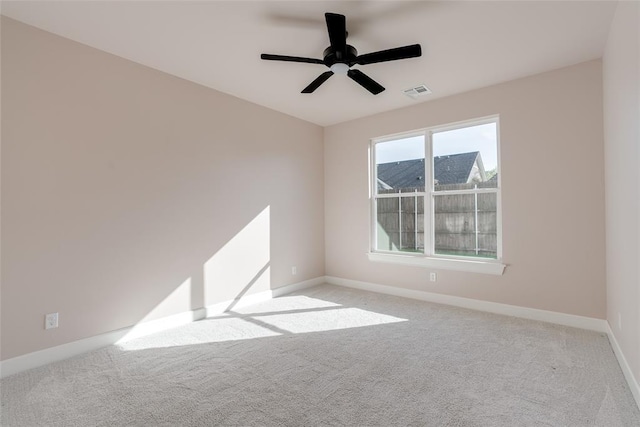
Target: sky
(475,138)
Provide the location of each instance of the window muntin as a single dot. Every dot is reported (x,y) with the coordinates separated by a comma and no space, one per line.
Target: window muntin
(451,174)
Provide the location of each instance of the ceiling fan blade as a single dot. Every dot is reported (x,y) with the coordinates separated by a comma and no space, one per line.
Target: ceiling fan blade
(365,81)
(317,82)
(411,51)
(337,28)
(270,57)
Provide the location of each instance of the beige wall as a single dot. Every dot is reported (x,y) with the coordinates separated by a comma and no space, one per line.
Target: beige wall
(129,194)
(553,211)
(621,69)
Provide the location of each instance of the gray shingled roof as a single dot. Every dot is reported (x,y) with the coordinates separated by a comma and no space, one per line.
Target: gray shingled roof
(409,174)
(454,168)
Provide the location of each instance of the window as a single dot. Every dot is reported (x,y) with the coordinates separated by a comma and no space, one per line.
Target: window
(436,196)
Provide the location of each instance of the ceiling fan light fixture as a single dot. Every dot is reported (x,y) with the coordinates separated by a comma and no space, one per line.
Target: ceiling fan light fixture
(340,68)
(339,57)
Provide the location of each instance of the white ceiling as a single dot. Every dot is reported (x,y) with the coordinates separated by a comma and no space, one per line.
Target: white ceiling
(466,45)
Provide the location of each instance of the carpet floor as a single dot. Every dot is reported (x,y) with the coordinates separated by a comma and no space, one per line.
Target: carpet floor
(330,356)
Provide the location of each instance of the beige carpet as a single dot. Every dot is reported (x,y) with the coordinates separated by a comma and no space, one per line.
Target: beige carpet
(339,357)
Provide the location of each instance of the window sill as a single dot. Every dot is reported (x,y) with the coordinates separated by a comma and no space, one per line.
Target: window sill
(471,266)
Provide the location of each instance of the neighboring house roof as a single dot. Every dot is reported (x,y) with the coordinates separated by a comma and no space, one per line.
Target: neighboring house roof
(404,174)
(451,169)
(454,168)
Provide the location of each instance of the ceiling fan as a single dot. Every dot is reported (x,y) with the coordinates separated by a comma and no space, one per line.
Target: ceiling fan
(340,57)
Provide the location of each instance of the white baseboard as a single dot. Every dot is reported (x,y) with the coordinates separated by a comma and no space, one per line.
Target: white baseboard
(65,351)
(152,326)
(298,286)
(589,323)
(221,307)
(624,365)
(60,352)
(599,325)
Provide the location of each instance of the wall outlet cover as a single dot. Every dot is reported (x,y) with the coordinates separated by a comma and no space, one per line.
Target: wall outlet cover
(51,321)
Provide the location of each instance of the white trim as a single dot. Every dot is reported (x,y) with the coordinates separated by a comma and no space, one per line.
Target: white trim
(373,216)
(471,266)
(74,348)
(469,191)
(60,352)
(222,307)
(430,192)
(400,135)
(295,287)
(464,124)
(499,194)
(438,128)
(428,217)
(626,369)
(152,326)
(396,195)
(590,323)
(65,351)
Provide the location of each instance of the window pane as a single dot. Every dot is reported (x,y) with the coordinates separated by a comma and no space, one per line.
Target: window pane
(466,224)
(465,158)
(400,165)
(400,224)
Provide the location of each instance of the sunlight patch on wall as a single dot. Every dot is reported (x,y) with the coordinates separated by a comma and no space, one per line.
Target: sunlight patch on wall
(240,265)
(236,271)
(178,301)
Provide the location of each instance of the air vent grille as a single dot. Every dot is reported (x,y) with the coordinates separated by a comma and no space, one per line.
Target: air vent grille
(417,91)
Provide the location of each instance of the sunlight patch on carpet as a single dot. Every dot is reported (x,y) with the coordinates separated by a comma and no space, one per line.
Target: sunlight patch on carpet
(287,315)
(329,320)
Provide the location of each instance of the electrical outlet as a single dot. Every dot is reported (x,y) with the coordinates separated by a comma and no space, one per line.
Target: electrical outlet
(294,271)
(433,277)
(51,321)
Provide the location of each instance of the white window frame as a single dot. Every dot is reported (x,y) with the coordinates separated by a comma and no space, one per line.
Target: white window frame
(429,259)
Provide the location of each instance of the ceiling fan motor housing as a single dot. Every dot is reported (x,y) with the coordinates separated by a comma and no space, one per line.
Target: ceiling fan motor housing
(340,57)
(332,56)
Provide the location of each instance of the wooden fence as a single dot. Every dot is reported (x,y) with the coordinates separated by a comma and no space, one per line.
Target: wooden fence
(464,224)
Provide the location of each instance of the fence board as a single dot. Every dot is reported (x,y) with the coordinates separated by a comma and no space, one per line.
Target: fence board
(454,222)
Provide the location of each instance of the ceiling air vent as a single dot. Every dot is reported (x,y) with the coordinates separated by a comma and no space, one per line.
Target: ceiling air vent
(417,91)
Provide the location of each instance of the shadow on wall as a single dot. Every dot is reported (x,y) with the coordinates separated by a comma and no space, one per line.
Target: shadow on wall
(239,268)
